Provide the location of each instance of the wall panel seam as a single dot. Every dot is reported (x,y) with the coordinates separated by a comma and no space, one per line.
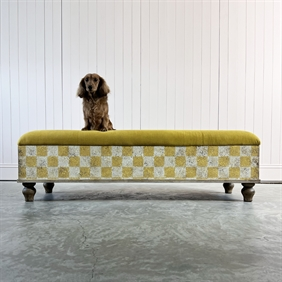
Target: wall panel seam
(62,72)
(218,70)
(10,92)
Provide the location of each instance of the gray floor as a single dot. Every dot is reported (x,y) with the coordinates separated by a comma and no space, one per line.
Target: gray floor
(140,232)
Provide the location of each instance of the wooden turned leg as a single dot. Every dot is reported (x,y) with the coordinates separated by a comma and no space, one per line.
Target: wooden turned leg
(29,191)
(248,191)
(48,187)
(228,187)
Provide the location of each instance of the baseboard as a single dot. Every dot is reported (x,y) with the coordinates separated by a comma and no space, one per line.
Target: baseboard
(267,172)
(271,173)
(8,172)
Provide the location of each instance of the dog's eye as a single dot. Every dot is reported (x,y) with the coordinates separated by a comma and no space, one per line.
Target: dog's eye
(86,79)
(95,79)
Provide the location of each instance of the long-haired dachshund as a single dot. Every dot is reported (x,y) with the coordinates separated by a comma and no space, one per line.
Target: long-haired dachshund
(93,89)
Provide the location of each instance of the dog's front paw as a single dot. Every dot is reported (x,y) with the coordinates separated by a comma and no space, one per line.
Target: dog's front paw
(103,129)
(84,128)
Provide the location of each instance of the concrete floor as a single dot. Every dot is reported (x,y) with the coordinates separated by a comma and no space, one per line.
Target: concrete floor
(140,232)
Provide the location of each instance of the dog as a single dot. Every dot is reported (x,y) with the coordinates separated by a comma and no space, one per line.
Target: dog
(94,91)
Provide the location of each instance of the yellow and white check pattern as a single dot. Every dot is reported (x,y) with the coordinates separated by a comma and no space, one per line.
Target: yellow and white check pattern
(138,162)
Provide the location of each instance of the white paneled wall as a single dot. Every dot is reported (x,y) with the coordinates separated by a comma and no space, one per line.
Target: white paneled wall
(210,64)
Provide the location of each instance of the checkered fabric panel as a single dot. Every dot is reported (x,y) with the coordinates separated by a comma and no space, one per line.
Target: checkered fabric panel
(138,162)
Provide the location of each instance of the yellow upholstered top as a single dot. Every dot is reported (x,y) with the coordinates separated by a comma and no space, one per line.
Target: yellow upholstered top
(139,138)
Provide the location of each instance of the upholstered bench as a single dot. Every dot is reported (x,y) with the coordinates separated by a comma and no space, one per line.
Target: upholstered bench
(225,156)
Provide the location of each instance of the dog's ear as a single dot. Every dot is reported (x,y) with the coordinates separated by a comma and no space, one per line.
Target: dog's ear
(103,88)
(81,91)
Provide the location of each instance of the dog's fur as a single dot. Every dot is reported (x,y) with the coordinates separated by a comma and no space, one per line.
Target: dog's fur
(93,89)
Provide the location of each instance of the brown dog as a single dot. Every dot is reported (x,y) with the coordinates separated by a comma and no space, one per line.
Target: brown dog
(93,89)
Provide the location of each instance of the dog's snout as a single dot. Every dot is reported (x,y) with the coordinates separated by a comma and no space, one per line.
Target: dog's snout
(90,87)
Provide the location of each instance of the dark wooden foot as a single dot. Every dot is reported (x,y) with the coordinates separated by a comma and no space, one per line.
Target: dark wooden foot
(48,187)
(228,187)
(29,191)
(248,191)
